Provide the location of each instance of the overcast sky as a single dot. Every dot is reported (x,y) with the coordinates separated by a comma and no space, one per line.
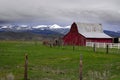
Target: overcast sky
(62,12)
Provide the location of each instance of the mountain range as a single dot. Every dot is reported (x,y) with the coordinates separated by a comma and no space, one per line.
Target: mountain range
(41,29)
(38,32)
(25,32)
(112,33)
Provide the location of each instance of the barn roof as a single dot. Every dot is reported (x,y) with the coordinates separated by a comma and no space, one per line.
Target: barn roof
(95,35)
(91,30)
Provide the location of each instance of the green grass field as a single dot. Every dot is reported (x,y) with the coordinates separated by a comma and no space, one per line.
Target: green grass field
(58,63)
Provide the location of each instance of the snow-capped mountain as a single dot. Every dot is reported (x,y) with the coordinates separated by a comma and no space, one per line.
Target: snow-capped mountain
(55,26)
(15,27)
(39,26)
(19,28)
(2,27)
(68,27)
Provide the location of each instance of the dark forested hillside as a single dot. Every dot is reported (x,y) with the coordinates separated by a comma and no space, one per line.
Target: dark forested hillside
(26,36)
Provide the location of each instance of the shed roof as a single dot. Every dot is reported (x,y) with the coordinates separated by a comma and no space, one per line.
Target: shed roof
(91,30)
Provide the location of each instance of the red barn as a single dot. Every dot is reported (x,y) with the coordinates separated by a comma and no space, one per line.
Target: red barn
(80,33)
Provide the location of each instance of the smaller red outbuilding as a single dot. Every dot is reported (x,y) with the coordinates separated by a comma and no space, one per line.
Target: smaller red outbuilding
(80,33)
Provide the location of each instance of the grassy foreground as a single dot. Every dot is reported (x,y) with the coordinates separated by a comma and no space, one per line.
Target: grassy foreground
(58,63)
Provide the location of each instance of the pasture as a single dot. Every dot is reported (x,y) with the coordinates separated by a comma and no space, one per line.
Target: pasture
(56,63)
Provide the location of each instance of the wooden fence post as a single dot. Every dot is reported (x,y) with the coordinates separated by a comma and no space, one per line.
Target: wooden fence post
(107,48)
(81,65)
(94,47)
(26,68)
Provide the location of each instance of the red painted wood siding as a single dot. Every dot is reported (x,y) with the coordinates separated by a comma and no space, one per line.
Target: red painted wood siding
(73,37)
(101,40)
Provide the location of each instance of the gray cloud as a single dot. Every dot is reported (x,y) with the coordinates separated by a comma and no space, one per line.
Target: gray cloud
(60,11)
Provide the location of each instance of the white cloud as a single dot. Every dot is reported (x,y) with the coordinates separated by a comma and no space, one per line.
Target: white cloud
(60,11)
